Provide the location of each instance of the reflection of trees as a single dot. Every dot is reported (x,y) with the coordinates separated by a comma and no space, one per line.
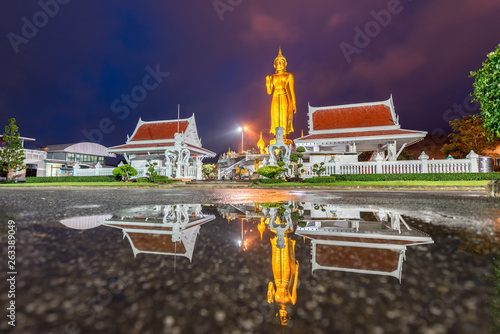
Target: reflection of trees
(495,300)
(476,244)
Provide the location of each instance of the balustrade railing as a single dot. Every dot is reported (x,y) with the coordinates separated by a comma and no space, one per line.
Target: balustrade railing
(379,166)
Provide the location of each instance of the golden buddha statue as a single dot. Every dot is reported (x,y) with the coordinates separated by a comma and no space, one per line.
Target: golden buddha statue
(283,105)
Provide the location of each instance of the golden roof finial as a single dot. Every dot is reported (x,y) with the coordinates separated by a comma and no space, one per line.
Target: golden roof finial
(261,144)
(302,133)
(280,56)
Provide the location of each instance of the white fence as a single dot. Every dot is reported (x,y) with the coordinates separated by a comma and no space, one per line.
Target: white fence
(192,172)
(379,166)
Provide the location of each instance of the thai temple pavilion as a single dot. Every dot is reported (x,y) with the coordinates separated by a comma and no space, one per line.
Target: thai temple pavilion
(173,144)
(349,129)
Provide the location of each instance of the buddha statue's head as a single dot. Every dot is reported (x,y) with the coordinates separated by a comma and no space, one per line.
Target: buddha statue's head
(280,62)
(282,316)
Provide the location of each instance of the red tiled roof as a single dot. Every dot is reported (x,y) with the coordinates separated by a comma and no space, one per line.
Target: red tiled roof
(358,134)
(200,148)
(352,117)
(160,130)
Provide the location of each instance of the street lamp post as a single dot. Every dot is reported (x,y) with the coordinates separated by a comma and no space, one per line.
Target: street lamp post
(242,130)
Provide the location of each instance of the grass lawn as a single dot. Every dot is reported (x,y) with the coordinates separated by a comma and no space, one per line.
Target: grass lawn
(81,184)
(473,183)
(468,183)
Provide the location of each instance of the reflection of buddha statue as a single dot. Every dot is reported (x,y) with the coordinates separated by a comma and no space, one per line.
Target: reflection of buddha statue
(283,105)
(286,272)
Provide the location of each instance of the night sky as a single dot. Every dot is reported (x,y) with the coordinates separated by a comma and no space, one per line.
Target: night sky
(67,73)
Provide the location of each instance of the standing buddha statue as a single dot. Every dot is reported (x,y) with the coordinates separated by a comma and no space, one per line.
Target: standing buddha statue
(283,105)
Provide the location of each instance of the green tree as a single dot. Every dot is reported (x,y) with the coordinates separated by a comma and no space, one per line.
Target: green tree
(208,170)
(296,158)
(11,149)
(468,134)
(318,169)
(151,173)
(487,92)
(124,172)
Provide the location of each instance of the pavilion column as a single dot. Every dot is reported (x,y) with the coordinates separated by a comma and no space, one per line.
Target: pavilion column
(391,151)
(178,173)
(424,160)
(199,164)
(379,160)
(474,164)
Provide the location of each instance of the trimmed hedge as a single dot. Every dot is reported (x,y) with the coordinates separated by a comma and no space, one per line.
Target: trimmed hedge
(406,177)
(257,181)
(49,179)
(161,178)
(321,179)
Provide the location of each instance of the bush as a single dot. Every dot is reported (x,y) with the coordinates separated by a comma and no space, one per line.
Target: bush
(124,172)
(49,179)
(143,180)
(161,178)
(270,172)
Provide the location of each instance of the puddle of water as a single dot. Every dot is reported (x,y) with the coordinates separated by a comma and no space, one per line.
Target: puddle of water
(257,267)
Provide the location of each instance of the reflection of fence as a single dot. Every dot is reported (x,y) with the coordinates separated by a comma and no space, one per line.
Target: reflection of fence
(379,166)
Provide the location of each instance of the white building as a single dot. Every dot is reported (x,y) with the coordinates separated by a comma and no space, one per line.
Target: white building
(59,160)
(347,130)
(173,144)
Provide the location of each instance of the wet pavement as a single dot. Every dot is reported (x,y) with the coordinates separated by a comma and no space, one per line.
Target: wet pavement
(250,261)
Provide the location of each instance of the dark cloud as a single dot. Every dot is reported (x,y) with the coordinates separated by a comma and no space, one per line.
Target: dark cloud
(65,79)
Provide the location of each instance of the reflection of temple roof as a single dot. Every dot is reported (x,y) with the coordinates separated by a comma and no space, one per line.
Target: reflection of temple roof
(162,243)
(369,260)
(140,224)
(154,236)
(85,223)
(362,247)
